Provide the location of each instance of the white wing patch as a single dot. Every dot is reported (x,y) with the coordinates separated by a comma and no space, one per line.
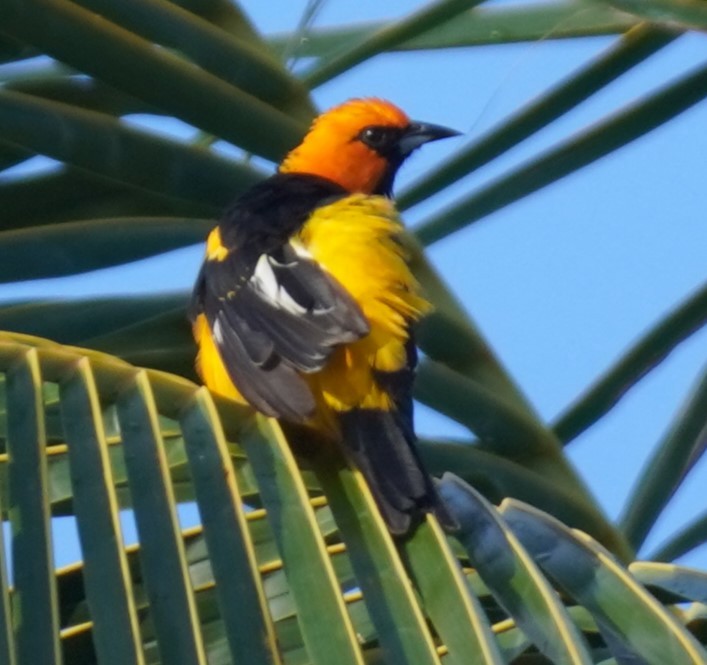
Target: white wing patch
(264,279)
(265,282)
(218,333)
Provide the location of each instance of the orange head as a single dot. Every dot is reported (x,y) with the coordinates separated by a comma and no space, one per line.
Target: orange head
(360,145)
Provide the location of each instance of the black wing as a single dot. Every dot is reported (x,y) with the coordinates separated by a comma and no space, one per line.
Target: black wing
(274,315)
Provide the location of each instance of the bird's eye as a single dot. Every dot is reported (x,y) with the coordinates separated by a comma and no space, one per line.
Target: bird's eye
(375,137)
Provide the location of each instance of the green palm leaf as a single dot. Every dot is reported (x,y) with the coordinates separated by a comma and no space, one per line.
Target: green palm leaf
(168,600)
(291,562)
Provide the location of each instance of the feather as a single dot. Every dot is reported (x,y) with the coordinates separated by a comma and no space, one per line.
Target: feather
(383,449)
(271,309)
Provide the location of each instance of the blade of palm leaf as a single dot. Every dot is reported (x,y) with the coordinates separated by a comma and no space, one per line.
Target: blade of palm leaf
(630,619)
(108,586)
(230,17)
(386,588)
(77,645)
(169,326)
(244,66)
(101,143)
(76,247)
(215,643)
(513,642)
(671,461)
(46,197)
(78,650)
(85,93)
(75,322)
(499,425)
(162,342)
(109,373)
(385,38)
(34,69)
(454,611)
(484,25)
(630,50)
(200,560)
(525,22)
(64,194)
(61,492)
(76,637)
(13,49)
(685,540)
(163,562)
(284,610)
(615,131)
(177,359)
(583,620)
(687,13)
(231,551)
(510,573)
(35,599)
(693,618)
(602,642)
(128,201)
(289,636)
(646,354)
(302,549)
(12,155)
(497,478)
(688,583)
(98,47)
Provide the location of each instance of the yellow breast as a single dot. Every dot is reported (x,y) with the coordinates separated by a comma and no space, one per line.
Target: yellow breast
(356,240)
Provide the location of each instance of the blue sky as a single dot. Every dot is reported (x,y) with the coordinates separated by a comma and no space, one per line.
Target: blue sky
(560,282)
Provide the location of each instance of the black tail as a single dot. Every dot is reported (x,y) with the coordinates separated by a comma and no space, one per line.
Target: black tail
(382,447)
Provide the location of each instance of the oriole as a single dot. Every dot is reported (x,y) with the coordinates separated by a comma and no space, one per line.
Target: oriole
(304,303)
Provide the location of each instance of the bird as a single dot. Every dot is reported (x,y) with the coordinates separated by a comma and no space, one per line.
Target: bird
(305,305)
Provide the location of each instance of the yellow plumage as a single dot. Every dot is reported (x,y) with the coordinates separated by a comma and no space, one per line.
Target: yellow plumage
(306,296)
(355,239)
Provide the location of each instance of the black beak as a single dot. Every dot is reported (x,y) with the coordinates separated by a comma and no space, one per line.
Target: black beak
(419,133)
